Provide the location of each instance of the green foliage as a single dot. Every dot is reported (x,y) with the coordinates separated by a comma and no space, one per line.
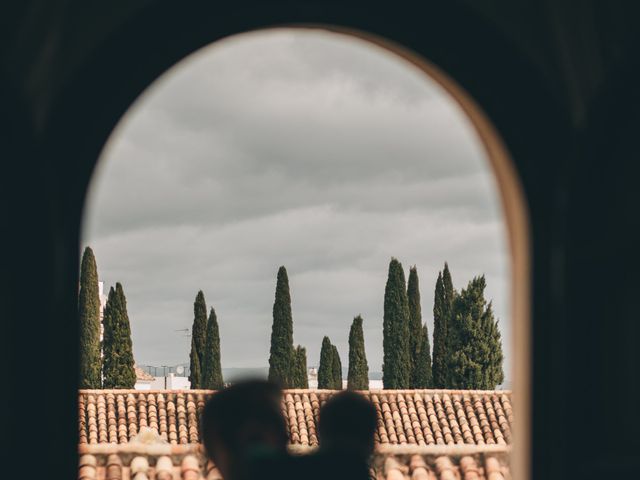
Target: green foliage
(442,311)
(415,324)
(300,378)
(196,375)
(358,374)
(211,369)
(281,353)
(476,349)
(89,319)
(396,369)
(495,356)
(336,369)
(423,377)
(198,340)
(109,361)
(118,364)
(325,369)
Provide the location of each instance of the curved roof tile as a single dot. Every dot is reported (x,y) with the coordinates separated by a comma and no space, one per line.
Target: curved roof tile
(187,462)
(405,417)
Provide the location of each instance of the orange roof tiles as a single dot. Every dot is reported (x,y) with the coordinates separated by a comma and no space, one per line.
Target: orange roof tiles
(187,462)
(405,417)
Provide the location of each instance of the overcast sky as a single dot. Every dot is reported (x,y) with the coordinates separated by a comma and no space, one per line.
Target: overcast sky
(307,149)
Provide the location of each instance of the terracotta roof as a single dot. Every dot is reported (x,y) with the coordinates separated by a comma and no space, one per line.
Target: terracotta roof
(483,464)
(405,417)
(142,375)
(187,462)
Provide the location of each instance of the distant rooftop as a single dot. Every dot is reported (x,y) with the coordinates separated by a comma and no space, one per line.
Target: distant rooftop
(143,375)
(165,462)
(405,417)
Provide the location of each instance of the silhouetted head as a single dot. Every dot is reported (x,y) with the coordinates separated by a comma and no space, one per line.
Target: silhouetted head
(347,424)
(241,422)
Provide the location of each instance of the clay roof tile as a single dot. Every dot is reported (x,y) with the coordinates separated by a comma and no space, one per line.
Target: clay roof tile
(424,417)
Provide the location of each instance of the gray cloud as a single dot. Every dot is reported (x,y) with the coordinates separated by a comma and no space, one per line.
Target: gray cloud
(302,148)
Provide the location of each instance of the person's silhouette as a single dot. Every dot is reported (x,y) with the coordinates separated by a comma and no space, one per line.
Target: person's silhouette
(348,424)
(346,432)
(244,431)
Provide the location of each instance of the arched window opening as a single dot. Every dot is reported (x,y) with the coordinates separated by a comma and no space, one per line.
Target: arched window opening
(348,161)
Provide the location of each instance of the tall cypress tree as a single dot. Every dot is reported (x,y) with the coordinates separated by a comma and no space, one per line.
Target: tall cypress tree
(450,296)
(439,368)
(211,370)
(281,354)
(89,319)
(198,340)
(476,350)
(423,377)
(358,373)
(109,360)
(415,324)
(195,377)
(495,356)
(336,368)
(396,369)
(325,368)
(118,366)
(442,313)
(300,378)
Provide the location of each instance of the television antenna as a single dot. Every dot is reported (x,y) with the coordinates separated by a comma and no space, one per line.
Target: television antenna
(185,331)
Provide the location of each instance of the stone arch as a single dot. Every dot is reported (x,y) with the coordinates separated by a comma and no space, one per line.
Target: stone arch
(476,75)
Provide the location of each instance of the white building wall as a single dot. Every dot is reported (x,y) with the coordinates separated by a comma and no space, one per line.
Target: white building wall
(178,383)
(170,382)
(375,385)
(312,379)
(157,383)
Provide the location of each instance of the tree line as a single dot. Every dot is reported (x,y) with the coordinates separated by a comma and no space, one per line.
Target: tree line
(467,351)
(467,346)
(106,363)
(204,359)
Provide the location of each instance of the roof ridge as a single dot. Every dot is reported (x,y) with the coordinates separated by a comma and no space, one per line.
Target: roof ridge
(300,390)
(158,449)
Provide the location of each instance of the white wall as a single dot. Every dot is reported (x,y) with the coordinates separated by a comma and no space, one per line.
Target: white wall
(178,383)
(373,384)
(170,382)
(158,383)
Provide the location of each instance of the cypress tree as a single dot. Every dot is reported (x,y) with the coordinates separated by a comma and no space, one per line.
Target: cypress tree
(195,377)
(336,368)
(89,319)
(495,356)
(358,374)
(423,377)
(476,350)
(198,340)
(211,370)
(118,362)
(300,377)
(396,369)
(442,312)
(465,368)
(109,365)
(415,324)
(281,353)
(450,296)
(325,368)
